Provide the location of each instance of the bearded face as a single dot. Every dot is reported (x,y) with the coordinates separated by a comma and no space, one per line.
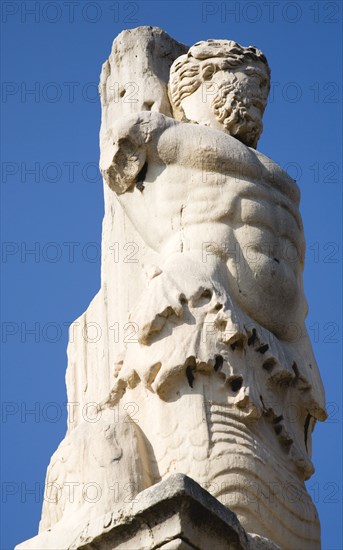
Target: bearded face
(231,100)
(239,103)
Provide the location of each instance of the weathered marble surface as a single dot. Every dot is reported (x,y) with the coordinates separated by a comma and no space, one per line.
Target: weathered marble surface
(203,365)
(174,514)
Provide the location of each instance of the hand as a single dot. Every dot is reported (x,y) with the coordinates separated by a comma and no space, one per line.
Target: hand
(126,151)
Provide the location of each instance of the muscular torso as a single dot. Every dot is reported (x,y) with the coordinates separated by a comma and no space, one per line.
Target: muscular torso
(205,191)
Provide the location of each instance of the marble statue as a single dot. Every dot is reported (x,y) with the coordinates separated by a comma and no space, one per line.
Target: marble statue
(204,366)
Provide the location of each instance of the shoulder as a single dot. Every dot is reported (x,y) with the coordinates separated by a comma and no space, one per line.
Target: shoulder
(278,178)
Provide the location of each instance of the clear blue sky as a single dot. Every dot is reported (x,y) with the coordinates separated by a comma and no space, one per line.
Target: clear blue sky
(58,52)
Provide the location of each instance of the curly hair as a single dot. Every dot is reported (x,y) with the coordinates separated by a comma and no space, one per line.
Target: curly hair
(203,60)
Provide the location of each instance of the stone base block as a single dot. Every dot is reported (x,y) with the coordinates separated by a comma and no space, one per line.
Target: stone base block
(175,514)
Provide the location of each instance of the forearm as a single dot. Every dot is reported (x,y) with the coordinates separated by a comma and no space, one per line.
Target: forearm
(149,137)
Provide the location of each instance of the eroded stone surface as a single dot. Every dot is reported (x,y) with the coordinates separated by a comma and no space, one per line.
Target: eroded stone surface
(203,365)
(173,514)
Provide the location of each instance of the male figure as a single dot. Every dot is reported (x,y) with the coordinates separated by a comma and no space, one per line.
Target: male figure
(224,220)
(202,185)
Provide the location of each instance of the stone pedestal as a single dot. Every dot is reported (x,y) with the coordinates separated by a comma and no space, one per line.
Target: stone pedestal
(175,514)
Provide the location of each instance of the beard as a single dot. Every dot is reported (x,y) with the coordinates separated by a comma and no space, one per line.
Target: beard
(232,111)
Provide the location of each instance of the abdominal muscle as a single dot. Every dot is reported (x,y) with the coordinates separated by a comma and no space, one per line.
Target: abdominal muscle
(182,210)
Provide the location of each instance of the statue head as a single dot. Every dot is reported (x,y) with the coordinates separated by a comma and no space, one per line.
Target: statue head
(223,85)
